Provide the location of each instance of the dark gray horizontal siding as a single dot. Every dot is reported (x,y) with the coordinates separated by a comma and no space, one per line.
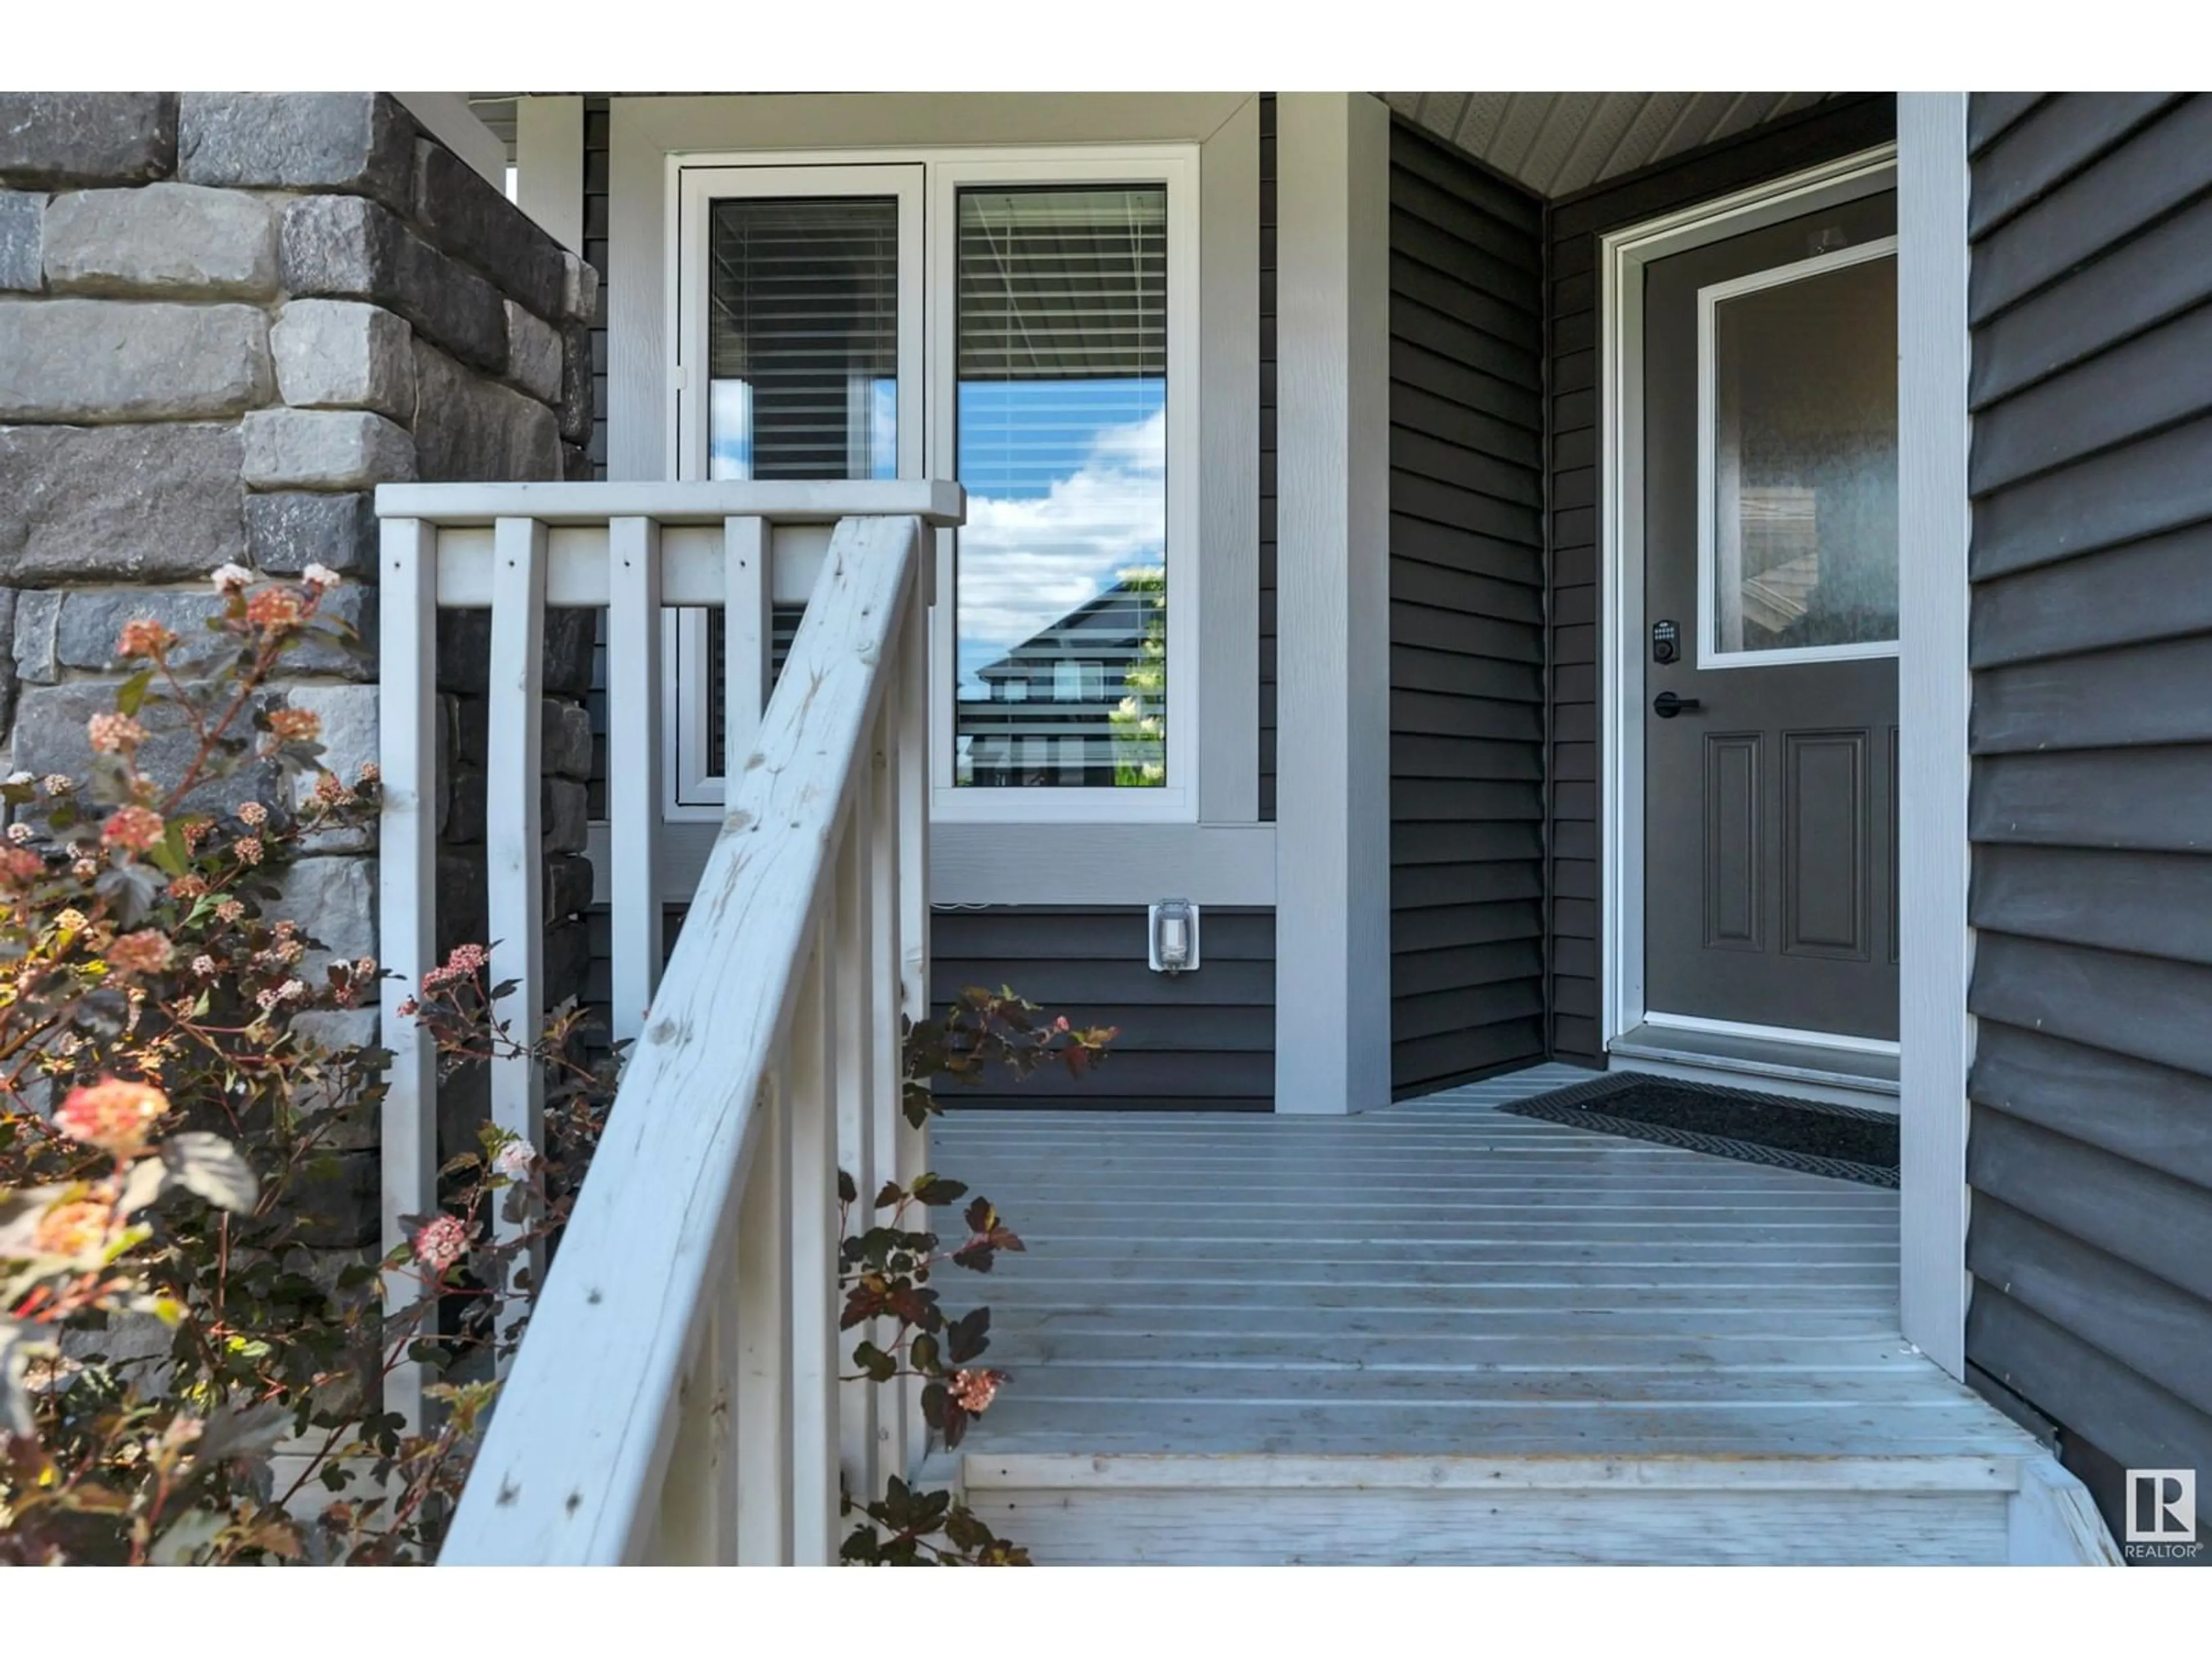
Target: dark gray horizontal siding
(2090,1152)
(1836,127)
(1202,1041)
(1467,619)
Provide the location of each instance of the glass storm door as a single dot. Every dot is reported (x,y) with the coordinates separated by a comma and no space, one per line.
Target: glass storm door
(1769,677)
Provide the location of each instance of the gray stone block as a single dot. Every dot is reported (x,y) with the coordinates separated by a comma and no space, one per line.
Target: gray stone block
(469,429)
(459,208)
(465,651)
(580,288)
(100,361)
(344,354)
(340,1031)
(286,532)
(344,247)
(118,503)
(36,620)
(567,885)
(22,242)
(564,815)
(336,1206)
(8,677)
(578,404)
(349,743)
(460,897)
(360,143)
(567,727)
(162,238)
(533,355)
(50,736)
(324,449)
(87,137)
(334,902)
(90,621)
(567,961)
(464,815)
(576,464)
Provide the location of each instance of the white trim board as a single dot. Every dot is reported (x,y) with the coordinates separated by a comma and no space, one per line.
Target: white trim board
(1934,684)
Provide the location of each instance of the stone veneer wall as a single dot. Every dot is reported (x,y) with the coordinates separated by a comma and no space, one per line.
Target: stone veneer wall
(225,317)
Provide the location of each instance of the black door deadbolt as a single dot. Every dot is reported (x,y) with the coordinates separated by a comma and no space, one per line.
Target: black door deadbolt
(1665,642)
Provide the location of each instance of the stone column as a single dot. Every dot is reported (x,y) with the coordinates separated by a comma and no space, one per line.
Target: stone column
(225,317)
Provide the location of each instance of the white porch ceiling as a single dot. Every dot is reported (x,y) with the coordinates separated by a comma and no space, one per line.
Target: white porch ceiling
(1557,143)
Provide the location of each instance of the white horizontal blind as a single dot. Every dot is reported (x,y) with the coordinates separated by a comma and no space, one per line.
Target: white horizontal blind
(802,338)
(1062,343)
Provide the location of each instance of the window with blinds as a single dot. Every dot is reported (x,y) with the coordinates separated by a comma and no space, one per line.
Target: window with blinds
(1060,587)
(802,338)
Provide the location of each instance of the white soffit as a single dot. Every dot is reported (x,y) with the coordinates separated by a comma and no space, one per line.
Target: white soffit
(1557,143)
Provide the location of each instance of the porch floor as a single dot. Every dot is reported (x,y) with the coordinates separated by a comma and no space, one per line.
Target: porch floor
(1437,1279)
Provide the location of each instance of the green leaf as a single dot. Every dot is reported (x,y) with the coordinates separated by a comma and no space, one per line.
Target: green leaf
(936,1189)
(211,1167)
(132,692)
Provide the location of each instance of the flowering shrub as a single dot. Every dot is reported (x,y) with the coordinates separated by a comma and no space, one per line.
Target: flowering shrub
(192,1360)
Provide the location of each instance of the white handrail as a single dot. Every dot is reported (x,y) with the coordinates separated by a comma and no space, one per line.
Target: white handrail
(676,1396)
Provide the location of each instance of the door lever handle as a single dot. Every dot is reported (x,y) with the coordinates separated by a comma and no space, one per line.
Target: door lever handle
(1667,705)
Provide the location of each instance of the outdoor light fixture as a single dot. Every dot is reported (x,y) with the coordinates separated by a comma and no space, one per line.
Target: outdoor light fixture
(1174,936)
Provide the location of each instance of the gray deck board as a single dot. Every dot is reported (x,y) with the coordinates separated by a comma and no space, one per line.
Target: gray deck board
(1437,1278)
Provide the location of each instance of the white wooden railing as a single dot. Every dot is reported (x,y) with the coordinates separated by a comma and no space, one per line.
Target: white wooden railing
(676,1397)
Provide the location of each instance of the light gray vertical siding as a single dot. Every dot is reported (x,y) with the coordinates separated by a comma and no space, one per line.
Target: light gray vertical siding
(1203,1040)
(1467,617)
(2090,1152)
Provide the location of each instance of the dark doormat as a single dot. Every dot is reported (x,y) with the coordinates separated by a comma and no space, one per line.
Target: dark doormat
(1849,1143)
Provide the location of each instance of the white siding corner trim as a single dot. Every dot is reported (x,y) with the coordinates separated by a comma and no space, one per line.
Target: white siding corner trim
(1333,815)
(1937,1033)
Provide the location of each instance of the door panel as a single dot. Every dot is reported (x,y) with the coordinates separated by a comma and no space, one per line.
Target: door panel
(1769,434)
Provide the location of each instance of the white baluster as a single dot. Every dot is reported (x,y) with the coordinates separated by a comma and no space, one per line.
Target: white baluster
(811,1071)
(407,844)
(747,639)
(887,1127)
(634,741)
(860,1012)
(763,1347)
(513,843)
(913,692)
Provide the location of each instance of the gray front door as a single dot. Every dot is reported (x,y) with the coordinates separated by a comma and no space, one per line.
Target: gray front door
(1770,606)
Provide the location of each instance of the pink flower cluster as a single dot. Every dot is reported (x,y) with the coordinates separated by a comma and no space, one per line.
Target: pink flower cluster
(973,1391)
(111,1115)
(441,1242)
(465,962)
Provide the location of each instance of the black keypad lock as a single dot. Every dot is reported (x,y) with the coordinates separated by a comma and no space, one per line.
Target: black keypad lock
(1665,642)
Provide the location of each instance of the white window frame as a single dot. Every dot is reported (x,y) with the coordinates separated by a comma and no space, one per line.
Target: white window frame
(943,172)
(694,787)
(1175,167)
(1710,553)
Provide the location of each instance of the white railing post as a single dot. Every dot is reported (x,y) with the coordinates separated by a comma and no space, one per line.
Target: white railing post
(763,1309)
(514,848)
(861,1012)
(407,887)
(633,805)
(747,637)
(811,1074)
